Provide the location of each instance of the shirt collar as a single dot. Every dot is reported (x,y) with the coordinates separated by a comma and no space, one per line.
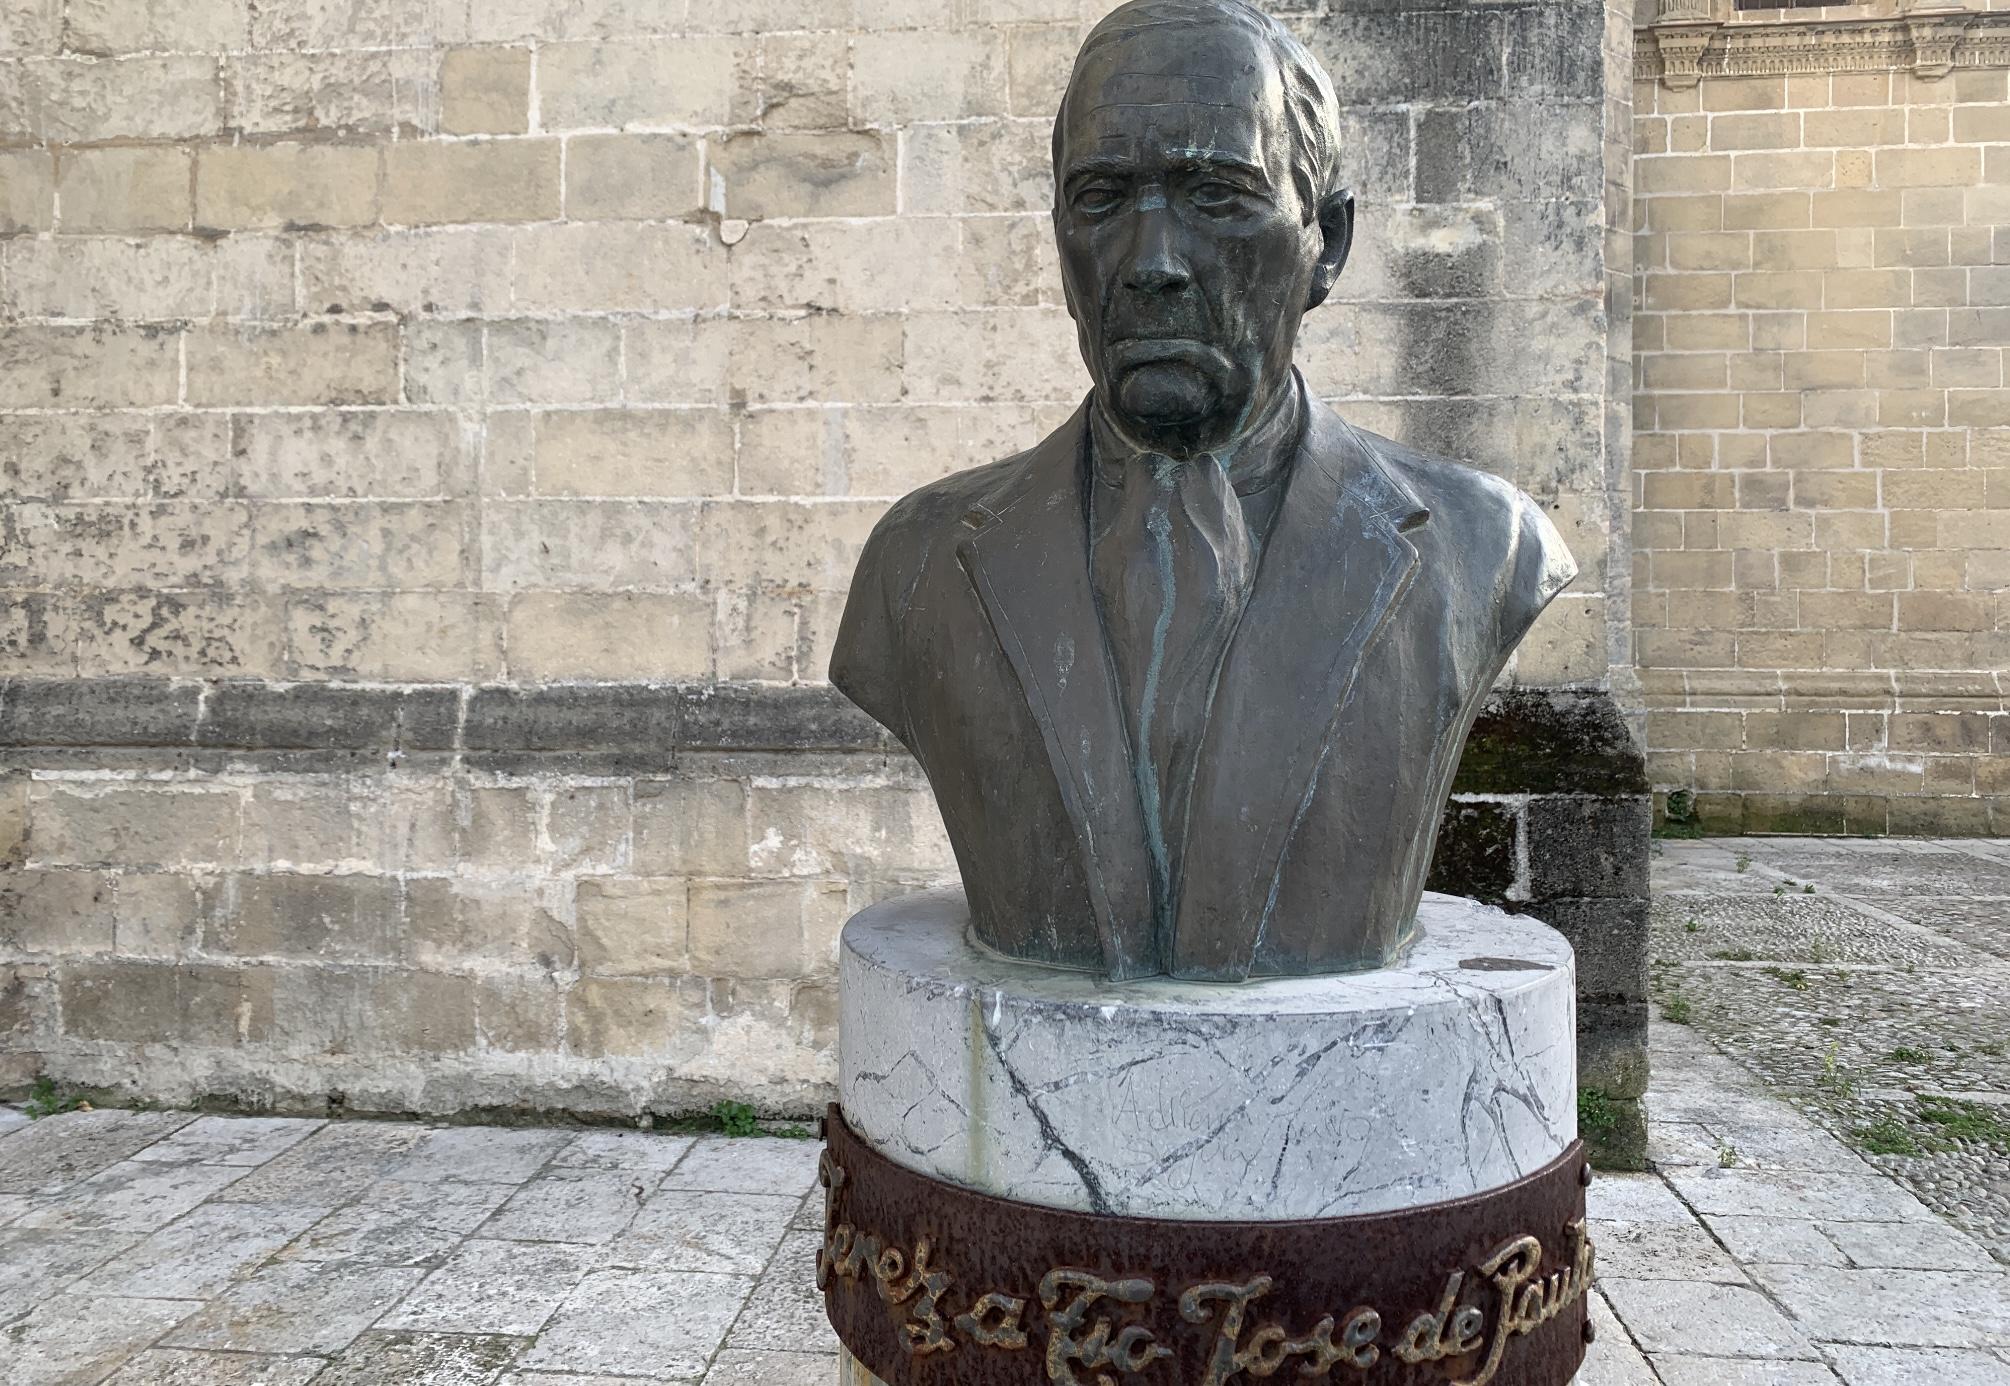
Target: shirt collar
(1255,459)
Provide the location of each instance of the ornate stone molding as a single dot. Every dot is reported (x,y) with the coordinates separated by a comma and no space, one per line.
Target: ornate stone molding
(1685,44)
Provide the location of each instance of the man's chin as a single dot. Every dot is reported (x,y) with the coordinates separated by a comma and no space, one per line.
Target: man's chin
(1166,395)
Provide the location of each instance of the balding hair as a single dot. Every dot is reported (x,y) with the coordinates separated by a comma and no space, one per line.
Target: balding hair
(1311,109)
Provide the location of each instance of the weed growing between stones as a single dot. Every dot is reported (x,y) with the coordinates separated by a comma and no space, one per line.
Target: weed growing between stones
(1596,1116)
(1886,1137)
(47,1100)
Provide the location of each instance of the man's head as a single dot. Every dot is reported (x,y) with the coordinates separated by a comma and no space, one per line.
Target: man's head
(1199,213)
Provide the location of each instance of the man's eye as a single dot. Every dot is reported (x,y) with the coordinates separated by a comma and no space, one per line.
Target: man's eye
(1216,196)
(1097,199)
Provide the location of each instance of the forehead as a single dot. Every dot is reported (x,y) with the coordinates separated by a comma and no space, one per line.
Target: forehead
(1175,90)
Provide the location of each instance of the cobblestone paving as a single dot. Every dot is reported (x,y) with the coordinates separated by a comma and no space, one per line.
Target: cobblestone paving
(1869,981)
(166,1249)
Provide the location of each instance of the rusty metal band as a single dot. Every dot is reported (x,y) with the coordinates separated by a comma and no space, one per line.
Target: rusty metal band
(930,1284)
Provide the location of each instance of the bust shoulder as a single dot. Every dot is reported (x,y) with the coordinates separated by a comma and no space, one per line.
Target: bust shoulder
(1482,522)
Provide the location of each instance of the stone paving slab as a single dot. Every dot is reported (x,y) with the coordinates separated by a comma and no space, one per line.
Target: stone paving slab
(165,1249)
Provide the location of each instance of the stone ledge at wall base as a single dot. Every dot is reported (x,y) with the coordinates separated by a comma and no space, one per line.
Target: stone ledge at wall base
(1447,1076)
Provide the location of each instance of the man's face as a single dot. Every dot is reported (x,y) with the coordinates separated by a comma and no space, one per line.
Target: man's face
(1187,251)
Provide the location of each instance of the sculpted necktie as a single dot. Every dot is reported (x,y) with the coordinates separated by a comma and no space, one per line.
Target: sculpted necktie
(1171,572)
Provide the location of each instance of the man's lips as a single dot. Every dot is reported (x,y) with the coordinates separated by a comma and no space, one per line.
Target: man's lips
(1129,353)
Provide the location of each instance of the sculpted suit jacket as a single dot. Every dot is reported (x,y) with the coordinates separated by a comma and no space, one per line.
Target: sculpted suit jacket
(1389,594)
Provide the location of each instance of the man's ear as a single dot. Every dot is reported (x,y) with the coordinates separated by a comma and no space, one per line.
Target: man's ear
(1336,228)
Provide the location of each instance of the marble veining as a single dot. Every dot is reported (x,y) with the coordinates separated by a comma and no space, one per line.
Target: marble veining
(1450,1072)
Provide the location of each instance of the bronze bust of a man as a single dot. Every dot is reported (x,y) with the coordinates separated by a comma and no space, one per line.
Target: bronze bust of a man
(1191,677)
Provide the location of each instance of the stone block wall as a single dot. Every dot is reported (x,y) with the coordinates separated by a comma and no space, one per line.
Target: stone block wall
(1821,595)
(436,435)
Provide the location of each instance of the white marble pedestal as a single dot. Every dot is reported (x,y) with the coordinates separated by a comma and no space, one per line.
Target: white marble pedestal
(1450,1073)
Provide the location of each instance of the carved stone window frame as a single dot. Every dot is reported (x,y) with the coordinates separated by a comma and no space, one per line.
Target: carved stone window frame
(1688,40)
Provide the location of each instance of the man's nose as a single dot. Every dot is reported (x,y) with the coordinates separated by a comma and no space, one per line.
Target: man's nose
(1156,265)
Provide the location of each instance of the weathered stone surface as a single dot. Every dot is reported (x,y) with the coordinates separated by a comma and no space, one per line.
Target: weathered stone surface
(1477,854)
(1584,846)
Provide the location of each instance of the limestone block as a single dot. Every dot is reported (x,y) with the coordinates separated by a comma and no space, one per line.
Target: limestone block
(277,185)
(551,361)
(318,1011)
(110,279)
(75,456)
(155,97)
(566,544)
(677,360)
(1449,1073)
(821,357)
(887,264)
(1008,262)
(465,923)
(157,1003)
(113,825)
(485,91)
(584,828)
(805,78)
(395,635)
(383,91)
(187,634)
(614,177)
(497,828)
(87,367)
(27,191)
(834,174)
(128,543)
(1567,645)
(32,26)
(143,187)
(850,830)
(920,74)
(613,452)
(621,1017)
(322,363)
(519,1015)
(761,929)
(56,913)
(38,633)
(784,542)
(157,915)
(13,819)
(793,452)
(314,824)
(894,449)
(367,544)
(1588,847)
(757,636)
(452,270)
(634,927)
(348,454)
(982,166)
(626,635)
(413,827)
(687,81)
(255,278)
(691,827)
(318,918)
(1039,61)
(434,181)
(603,267)
(1010,354)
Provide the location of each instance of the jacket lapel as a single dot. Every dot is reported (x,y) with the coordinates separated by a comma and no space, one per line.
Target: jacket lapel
(1332,568)
(1027,556)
